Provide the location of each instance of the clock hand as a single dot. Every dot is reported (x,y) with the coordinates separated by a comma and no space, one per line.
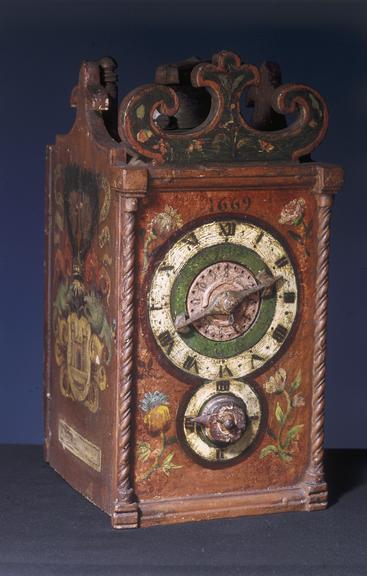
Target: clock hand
(224,303)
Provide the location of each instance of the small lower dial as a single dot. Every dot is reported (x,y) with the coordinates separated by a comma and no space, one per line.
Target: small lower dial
(221,421)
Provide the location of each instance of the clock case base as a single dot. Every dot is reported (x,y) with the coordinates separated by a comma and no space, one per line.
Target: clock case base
(302,497)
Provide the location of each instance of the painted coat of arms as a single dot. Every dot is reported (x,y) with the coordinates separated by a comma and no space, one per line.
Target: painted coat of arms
(83,335)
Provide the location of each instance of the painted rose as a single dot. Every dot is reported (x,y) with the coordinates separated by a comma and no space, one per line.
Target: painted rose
(293,212)
(167,221)
(276,383)
(160,227)
(157,417)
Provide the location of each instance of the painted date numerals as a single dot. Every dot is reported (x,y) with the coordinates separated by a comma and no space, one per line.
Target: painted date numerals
(227,204)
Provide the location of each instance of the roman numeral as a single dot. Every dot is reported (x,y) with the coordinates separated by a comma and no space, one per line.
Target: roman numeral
(166,341)
(219,453)
(166,267)
(191,240)
(224,371)
(259,237)
(191,364)
(289,297)
(256,358)
(227,228)
(189,424)
(283,261)
(223,386)
(280,332)
(154,307)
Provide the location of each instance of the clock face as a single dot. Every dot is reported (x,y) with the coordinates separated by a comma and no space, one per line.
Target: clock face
(223,299)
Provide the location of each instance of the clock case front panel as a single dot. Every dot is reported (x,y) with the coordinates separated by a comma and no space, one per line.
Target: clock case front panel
(177,199)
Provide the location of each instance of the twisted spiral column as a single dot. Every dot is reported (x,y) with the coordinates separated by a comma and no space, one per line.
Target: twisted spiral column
(124,503)
(315,473)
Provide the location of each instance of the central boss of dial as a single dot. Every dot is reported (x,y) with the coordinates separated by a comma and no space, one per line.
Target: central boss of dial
(215,284)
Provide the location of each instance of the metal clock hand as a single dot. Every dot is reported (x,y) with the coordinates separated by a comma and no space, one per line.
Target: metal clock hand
(224,303)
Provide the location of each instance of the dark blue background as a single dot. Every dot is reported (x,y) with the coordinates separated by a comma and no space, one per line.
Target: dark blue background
(42,45)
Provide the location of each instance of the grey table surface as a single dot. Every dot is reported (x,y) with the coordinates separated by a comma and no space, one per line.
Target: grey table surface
(46,528)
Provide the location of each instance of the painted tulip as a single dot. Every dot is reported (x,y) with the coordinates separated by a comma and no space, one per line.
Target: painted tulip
(158,419)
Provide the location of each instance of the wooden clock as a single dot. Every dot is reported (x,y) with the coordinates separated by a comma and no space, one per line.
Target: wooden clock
(187,240)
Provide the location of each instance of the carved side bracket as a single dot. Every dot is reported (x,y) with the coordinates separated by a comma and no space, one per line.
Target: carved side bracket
(225,135)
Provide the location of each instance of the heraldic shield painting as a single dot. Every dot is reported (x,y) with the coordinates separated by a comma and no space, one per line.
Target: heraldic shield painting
(83,335)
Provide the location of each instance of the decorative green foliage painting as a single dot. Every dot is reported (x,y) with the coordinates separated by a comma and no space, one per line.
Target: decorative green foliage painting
(288,401)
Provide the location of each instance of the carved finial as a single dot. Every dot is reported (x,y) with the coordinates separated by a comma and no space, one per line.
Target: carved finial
(223,135)
(89,93)
(260,98)
(108,68)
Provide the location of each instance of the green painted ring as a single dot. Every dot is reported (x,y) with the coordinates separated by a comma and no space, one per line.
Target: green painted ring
(237,254)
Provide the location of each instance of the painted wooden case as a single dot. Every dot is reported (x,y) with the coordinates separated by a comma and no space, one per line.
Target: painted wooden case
(186,294)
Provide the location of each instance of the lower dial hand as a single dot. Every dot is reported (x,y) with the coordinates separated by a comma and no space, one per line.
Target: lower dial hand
(225,303)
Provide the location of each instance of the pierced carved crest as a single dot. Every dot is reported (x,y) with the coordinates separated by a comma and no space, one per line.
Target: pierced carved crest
(224,135)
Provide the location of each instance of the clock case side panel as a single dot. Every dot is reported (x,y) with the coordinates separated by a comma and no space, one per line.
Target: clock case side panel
(82,240)
(252,177)
(79,431)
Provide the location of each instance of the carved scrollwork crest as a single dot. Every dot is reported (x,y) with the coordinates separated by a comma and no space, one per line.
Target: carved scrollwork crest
(224,135)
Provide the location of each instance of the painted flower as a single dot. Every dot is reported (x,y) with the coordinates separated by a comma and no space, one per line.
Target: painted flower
(276,383)
(144,135)
(161,226)
(196,145)
(167,221)
(157,417)
(283,431)
(292,213)
(298,401)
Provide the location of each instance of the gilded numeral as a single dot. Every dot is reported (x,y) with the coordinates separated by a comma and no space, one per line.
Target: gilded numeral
(166,341)
(289,297)
(224,371)
(280,332)
(191,239)
(227,228)
(190,363)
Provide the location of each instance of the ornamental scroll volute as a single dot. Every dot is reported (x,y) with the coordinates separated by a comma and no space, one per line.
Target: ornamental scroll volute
(224,135)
